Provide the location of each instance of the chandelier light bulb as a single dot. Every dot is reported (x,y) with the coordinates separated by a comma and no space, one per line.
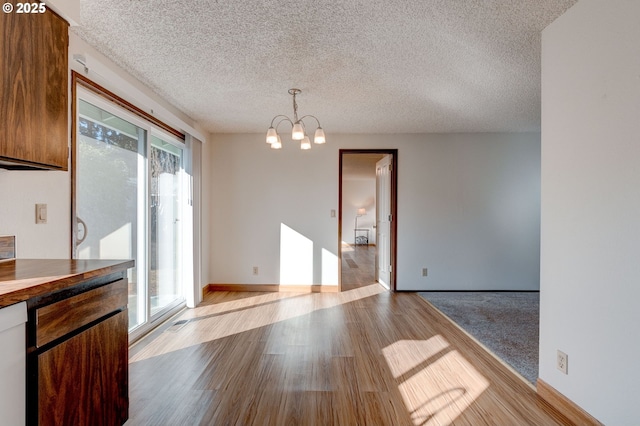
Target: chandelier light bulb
(277,144)
(319,136)
(297,133)
(272,135)
(306,143)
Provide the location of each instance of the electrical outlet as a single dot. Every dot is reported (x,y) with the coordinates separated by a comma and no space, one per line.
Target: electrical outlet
(255,270)
(424,272)
(563,361)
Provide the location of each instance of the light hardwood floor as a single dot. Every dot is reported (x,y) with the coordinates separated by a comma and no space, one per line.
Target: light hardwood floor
(361,357)
(358,266)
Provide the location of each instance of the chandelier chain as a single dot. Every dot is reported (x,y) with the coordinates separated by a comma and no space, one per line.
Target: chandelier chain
(295,108)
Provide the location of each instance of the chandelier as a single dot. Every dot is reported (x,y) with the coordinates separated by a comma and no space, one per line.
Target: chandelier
(298,129)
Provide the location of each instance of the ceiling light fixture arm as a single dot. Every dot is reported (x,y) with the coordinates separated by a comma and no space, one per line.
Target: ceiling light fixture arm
(284,118)
(309,115)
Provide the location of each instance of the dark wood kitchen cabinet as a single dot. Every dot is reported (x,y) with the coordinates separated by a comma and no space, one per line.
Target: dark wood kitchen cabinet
(77,354)
(80,381)
(34,90)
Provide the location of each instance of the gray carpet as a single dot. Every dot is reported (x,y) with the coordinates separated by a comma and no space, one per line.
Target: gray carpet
(505,322)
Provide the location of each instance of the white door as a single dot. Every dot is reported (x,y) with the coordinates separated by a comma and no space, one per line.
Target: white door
(383,225)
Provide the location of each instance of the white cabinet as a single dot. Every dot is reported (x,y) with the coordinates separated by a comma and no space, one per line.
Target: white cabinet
(13,364)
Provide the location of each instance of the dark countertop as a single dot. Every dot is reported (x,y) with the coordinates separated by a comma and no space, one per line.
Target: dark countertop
(23,279)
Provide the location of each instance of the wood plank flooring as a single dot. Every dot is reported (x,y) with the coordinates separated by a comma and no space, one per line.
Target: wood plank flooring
(358,266)
(361,357)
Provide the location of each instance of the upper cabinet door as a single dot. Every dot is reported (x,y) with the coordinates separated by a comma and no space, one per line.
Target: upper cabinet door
(34,90)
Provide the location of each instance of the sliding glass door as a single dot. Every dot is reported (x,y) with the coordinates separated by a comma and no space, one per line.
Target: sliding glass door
(165,260)
(109,169)
(128,202)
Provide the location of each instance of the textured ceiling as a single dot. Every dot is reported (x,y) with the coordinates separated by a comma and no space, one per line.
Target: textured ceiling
(365,66)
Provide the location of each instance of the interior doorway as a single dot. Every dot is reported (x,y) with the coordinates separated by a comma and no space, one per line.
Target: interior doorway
(367,219)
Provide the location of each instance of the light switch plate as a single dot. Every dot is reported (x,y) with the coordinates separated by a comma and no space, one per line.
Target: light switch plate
(41,213)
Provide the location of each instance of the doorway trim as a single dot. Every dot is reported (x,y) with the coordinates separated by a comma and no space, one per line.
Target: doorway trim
(394,210)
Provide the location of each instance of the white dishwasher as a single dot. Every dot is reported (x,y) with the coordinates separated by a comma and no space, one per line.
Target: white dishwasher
(13,364)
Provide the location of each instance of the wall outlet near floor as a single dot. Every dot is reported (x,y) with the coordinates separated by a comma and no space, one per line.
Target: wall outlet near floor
(562,363)
(255,270)
(424,272)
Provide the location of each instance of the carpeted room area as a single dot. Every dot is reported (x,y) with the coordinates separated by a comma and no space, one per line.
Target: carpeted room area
(507,323)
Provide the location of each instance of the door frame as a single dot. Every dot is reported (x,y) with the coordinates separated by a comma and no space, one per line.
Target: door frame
(394,210)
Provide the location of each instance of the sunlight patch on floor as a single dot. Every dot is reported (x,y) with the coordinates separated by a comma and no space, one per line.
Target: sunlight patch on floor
(454,384)
(210,322)
(206,309)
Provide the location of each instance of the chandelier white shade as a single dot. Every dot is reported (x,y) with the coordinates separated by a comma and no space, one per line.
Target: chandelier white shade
(277,144)
(272,136)
(319,136)
(298,131)
(306,143)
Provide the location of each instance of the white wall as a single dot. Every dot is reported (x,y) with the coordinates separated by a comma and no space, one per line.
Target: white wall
(253,191)
(20,191)
(468,207)
(591,207)
(358,192)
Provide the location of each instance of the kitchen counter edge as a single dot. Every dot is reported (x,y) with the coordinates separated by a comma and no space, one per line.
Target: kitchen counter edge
(24,279)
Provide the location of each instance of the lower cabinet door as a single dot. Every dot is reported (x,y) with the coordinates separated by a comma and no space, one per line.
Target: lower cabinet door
(84,380)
